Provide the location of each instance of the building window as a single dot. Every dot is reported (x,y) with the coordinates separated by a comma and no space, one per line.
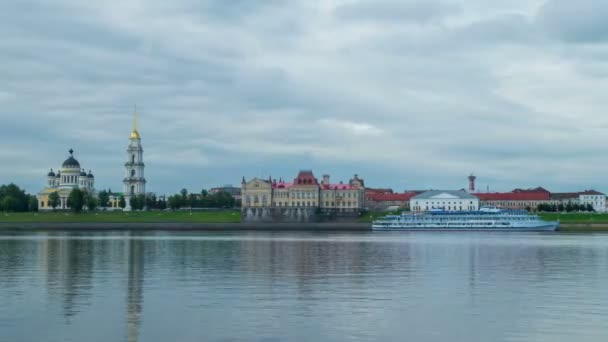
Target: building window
(133,159)
(132,189)
(132,173)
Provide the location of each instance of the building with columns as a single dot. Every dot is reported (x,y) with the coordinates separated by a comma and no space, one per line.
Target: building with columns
(70,176)
(134,181)
(305,193)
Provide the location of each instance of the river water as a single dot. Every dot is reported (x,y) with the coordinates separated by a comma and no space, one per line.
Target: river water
(120,286)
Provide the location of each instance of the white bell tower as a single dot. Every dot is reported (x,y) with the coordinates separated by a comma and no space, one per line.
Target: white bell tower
(134,181)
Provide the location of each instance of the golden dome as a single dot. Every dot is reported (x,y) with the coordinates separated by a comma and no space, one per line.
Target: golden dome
(135,133)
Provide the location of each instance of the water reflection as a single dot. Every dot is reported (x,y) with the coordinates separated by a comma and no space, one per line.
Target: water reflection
(334,287)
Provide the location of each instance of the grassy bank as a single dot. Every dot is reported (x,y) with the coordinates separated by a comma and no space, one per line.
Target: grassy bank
(576,218)
(226,216)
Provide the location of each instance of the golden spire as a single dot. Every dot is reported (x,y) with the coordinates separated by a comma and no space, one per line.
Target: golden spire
(135,133)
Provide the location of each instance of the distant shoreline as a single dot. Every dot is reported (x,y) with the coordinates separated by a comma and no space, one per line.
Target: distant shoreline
(231,226)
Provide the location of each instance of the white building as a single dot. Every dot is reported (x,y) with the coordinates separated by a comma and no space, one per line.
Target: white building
(595,198)
(448,200)
(134,181)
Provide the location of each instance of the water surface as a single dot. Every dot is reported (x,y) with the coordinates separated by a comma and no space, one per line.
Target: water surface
(120,286)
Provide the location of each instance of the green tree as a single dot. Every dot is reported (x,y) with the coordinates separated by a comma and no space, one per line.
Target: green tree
(174,202)
(9,203)
(76,200)
(104,198)
(33,203)
(12,198)
(204,193)
(54,200)
(121,202)
(91,202)
(590,207)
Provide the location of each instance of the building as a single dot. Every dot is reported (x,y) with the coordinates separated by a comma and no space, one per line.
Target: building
(595,198)
(305,192)
(384,201)
(527,199)
(69,177)
(232,190)
(448,200)
(134,181)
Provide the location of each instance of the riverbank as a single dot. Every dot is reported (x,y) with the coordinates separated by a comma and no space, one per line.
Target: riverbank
(225,220)
(185,226)
(206,216)
(230,226)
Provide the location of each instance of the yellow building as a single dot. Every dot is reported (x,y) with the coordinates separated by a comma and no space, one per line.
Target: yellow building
(69,177)
(304,192)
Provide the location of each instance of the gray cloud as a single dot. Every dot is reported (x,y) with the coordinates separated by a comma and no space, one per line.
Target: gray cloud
(407,94)
(581,21)
(399,11)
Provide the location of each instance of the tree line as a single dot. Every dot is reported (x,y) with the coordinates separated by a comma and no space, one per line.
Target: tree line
(14,199)
(568,207)
(204,199)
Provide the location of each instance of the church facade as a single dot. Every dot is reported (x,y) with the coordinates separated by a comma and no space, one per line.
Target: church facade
(70,176)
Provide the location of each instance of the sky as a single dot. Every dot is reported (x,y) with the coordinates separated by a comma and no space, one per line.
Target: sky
(408,94)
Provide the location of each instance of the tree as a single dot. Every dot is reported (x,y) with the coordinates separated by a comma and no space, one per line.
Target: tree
(590,207)
(9,203)
(204,193)
(91,202)
(54,200)
(174,202)
(33,203)
(12,198)
(76,200)
(137,202)
(104,198)
(121,202)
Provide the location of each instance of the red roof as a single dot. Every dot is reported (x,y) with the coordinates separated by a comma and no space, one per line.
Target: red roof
(305,177)
(378,191)
(525,195)
(390,197)
(337,187)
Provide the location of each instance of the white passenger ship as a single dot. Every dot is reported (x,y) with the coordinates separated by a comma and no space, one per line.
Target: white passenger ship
(486,218)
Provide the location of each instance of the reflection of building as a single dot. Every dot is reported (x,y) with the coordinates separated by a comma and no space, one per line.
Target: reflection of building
(304,192)
(448,200)
(134,181)
(70,177)
(135,288)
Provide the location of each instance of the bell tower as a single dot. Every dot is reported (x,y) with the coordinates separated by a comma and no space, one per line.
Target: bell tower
(134,181)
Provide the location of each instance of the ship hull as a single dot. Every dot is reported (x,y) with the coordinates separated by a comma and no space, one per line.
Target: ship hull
(549,227)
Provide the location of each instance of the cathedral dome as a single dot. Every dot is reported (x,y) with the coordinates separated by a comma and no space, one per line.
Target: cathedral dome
(82,173)
(51,173)
(71,162)
(90,175)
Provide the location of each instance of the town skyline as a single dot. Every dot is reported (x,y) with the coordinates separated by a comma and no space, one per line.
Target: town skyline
(408,94)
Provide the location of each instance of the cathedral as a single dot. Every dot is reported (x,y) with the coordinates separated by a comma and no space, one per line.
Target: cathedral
(69,177)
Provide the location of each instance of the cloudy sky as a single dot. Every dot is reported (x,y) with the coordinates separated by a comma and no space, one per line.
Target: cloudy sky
(410,94)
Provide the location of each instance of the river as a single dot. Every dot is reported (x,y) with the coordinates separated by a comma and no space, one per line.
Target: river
(299,286)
